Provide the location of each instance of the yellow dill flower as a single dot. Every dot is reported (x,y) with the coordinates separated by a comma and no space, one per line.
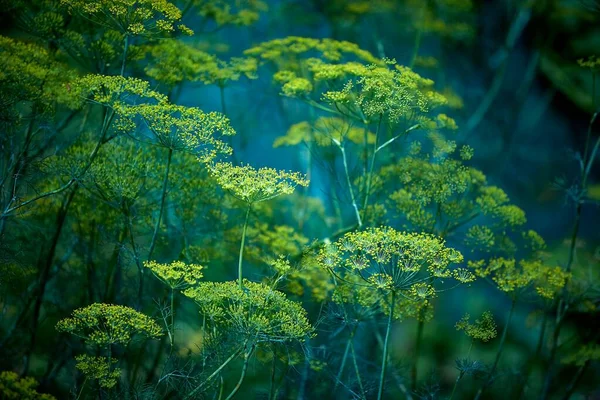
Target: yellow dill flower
(14,387)
(100,369)
(135,17)
(484,328)
(255,311)
(230,12)
(181,128)
(252,185)
(176,274)
(105,324)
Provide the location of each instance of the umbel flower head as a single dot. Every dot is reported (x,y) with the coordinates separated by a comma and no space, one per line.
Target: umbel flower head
(136,17)
(176,274)
(12,386)
(110,91)
(388,260)
(172,62)
(105,324)
(252,185)
(29,73)
(100,369)
(515,276)
(256,311)
(181,128)
(483,328)
(230,12)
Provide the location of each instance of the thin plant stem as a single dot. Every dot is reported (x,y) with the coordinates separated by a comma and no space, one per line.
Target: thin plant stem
(344,359)
(172,335)
(418,341)
(242,375)
(198,388)
(534,358)
(562,302)
(82,387)
(372,166)
(576,379)
(354,204)
(461,374)
(163,199)
(241,257)
(385,348)
(273,370)
(357,371)
(490,379)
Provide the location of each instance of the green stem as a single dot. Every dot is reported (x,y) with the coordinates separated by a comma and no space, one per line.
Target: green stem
(273,370)
(418,341)
(197,389)
(242,375)
(344,359)
(354,204)
(81,390)
(163,199)
(490,379)
(371,167)
(575,381)
(385,348)
(172,335)
(461,374)
(534,358)
(357,371)
(241,257)
(125,48)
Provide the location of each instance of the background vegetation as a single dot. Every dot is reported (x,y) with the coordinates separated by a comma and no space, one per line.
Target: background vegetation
(299,199)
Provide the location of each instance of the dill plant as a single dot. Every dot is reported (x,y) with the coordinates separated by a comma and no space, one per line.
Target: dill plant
(109,177)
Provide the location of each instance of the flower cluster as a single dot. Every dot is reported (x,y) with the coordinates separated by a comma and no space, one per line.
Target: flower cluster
(229,12)
(281,51)
(252,185)
(28,72)
(483,328)
(105,324)
(13,387)
(173,62)
(181,128)
(325,131)
(110,91)
(100,369)
(392,261)
(176,274)
(512,276)
(137,17)
(255,311)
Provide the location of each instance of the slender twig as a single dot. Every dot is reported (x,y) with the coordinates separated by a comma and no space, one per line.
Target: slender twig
(385,347)
(491,377)
(163,199)
(241,256)
(242,375)
(354,203)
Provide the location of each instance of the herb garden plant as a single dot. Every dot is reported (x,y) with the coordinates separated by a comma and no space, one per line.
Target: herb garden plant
(153,246)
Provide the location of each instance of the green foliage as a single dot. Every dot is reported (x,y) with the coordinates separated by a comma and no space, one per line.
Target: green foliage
(173,62)
(177,274)
(100,369)
(257,312)
(106,324)
(383,259)
(137,17)
(238,12)
(252,185)
(110,91)
(181,128)
(12,387)
(484,328)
